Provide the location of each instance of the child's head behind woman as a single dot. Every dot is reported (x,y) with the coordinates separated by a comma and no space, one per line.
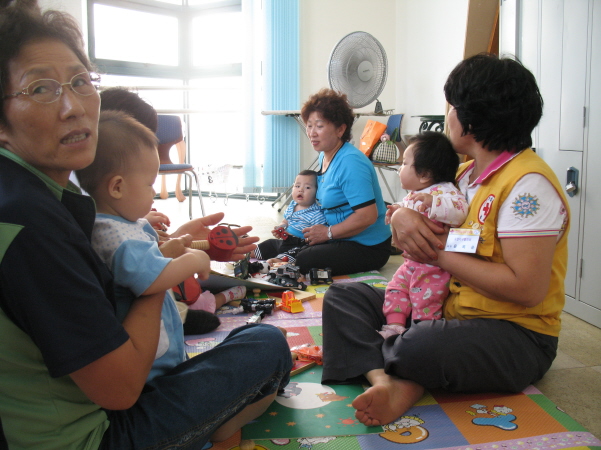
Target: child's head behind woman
(125,166)
(434,157)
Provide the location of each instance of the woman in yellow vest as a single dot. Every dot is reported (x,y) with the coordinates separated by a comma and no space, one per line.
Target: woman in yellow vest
(508,263)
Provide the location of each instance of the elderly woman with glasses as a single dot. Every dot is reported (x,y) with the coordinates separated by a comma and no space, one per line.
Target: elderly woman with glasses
(356,238)
(71,374)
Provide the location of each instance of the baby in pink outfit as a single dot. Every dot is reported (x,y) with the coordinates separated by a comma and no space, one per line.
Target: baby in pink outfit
(417,290)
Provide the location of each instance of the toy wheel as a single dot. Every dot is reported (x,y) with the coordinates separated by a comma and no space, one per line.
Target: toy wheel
(329,281)
(302,286)
(313,282)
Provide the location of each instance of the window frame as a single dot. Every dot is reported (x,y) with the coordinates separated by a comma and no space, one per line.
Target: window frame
(185,14)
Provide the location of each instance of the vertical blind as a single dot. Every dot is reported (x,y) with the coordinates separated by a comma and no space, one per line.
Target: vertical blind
(282,92)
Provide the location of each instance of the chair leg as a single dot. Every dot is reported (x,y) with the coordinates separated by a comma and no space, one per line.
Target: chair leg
(178,189)
(164,194)
(202,206)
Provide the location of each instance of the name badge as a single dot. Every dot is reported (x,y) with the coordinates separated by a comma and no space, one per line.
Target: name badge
(463,240)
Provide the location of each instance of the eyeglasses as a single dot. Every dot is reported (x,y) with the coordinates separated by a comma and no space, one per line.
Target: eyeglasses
(49,91)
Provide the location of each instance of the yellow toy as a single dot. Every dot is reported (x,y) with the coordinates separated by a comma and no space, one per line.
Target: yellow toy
(290,303)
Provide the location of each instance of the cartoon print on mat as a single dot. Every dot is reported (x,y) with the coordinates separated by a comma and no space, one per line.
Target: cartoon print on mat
(305,442)
(291,390)
(307,396)
(526,205)
(499,416)
(405,430)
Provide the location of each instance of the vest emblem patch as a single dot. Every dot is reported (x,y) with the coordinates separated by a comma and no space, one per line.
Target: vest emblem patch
(485,208)
(526,205)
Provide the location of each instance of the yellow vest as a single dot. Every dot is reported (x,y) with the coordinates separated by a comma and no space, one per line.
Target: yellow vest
(465,303)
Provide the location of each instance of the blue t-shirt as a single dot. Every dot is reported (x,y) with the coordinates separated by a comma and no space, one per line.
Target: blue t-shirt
(350,183)
(130,250)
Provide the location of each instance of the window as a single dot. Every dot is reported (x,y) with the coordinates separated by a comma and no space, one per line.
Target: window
(212,56)
(193,52)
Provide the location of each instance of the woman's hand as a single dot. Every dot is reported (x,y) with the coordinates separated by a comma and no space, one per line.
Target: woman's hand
(199,230)
(354,224)
(316,234)
(440,252)
(415,234)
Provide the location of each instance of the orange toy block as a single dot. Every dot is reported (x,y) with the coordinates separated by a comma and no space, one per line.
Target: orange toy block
(290,303)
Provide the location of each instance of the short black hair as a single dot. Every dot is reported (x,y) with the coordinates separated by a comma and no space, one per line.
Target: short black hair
(497,100)
(309,173)
(122,99)
(434,156)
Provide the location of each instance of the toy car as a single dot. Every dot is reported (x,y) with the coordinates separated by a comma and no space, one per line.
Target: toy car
(253,305)
(287,275)
(320,276)
(281,232)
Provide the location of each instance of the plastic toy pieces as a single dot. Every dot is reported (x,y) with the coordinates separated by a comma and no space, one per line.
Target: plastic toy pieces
(281,233)
(221,243)
(319,276)
(254,305)
(287,275)
(290,303)
(259,307)
(308,352)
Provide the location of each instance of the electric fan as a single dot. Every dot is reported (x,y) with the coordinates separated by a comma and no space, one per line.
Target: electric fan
(358,68)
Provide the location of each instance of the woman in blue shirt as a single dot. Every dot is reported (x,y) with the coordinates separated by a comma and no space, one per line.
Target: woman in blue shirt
(357,239)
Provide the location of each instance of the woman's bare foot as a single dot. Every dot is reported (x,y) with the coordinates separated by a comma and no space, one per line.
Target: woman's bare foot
(386,400)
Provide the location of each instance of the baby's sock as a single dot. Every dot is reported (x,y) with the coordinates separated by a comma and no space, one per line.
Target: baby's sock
(234,293)
(205,301)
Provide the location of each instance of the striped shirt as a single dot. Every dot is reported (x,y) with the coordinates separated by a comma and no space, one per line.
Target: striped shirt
(303,218)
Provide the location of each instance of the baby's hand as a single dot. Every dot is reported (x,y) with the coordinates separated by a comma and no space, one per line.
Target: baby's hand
(158,221)
(204,263)
(391,330)
(390,210)
(426,200)
(175,247)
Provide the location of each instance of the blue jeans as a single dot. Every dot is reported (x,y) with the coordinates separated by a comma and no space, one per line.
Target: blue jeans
(183,408)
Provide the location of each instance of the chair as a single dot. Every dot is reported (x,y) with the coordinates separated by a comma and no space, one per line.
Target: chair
(170,133)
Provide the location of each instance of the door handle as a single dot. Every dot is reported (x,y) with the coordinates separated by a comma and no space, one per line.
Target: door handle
(572,181)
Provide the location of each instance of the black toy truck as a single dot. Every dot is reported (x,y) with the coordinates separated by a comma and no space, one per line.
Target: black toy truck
(321,276)
(287,275)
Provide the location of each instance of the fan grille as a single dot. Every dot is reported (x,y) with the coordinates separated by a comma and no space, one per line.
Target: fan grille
(358,68)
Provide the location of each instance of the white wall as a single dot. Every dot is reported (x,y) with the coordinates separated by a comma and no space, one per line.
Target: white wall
(322,25)
(423,40)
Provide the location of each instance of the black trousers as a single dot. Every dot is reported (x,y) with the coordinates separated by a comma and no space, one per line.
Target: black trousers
(343,257)
(476,355)
(273,248)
